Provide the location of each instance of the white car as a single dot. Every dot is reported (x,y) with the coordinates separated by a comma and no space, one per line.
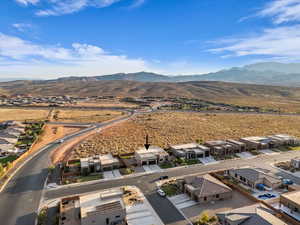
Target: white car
(60,141)
(161,193)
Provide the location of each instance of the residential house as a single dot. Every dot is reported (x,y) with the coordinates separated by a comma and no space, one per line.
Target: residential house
(290,204)
(295,163)
(13,139)
(105,208)
(252,177)
(205,188)
(258,214)
(239,146)
(108,162)
(98,163)
(284,139)
(190,151)
(153,155)
(256,143)
(221,148)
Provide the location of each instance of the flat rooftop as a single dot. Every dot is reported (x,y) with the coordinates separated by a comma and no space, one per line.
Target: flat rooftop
(101,202)
(107,159)
(185,146)
(293,196)
(256,139)
(152,149)
(216,143)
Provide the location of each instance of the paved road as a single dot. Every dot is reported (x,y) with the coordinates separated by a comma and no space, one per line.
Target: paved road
(20,199)
(146,183)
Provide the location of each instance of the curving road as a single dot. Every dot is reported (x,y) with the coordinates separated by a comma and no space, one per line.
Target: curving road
(20,198)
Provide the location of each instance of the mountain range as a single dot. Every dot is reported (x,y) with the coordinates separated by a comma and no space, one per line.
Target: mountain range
(268,73)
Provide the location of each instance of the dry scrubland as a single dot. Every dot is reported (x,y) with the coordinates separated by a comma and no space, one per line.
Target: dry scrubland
(23,114)
(176,128)
(85,116)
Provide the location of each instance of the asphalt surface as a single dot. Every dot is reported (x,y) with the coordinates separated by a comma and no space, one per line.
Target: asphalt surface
(20,199)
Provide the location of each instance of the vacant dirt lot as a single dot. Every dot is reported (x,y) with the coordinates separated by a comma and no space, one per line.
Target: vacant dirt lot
(166,129)
(52,133)
(84,116)
(23,114)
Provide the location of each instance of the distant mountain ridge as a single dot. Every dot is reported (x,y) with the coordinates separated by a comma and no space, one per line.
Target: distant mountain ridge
(268,73)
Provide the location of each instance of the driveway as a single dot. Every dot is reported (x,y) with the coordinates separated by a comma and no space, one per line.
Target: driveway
(268,152)
(152,168)
(208,160)
(182,201)
(245,155)
(111,174)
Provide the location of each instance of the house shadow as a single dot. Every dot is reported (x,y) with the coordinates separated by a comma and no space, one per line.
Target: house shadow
(27,219)
(165,209)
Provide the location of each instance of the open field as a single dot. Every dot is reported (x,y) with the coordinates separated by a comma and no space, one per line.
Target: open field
(23,114)
(166,129)
(84,116)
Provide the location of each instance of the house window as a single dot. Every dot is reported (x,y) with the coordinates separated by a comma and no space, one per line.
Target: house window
(235,175)
(205,198)
(118,216)
(217,196)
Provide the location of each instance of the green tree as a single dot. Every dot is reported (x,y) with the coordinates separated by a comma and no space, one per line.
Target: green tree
(205,219)
(1,169)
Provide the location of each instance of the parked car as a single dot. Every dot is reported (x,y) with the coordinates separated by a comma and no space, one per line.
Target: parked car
(164,177)
(266,196)
(287,181)
(161,193)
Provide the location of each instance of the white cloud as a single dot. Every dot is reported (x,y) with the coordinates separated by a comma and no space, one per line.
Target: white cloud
(137,3)
(71,6)
(282,11)
(22,26)
(27,2)
(19,57)
(62,7)
(275,42)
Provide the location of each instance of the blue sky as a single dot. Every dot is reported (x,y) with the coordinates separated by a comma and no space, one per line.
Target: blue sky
(53,38)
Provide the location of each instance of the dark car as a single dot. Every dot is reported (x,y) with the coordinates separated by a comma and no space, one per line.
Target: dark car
(267,195)
(164,177)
